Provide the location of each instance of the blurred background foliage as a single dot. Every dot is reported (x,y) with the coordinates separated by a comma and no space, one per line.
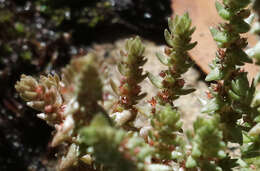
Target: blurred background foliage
(38,36)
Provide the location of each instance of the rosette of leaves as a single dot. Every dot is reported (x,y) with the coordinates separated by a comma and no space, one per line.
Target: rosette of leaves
(177,59)
(43,95)
(165,135)
(208,148)
(113,149)
(67,103)
(131,68)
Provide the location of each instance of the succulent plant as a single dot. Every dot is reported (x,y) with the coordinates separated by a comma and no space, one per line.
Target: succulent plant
(177,60)
(104,141)
(129,90)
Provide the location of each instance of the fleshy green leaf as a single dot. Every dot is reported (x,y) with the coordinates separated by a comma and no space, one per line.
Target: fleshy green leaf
(213,105)
(223,12)
(214,75)
(155,81)
(190,163)
(168,38)
(163,59)
(114,87)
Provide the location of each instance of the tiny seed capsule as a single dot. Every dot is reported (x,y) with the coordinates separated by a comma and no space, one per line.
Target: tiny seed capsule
(162,74)
(181,82)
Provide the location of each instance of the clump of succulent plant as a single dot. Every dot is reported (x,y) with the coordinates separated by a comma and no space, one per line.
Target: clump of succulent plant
(101,140)
(129,90)
(63,104)
(232,97)
(176,58)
